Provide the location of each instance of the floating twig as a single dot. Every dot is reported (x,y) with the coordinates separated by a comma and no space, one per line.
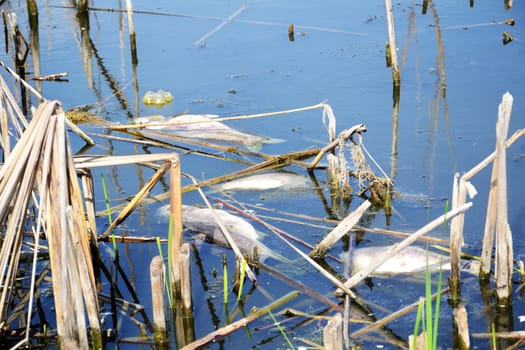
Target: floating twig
(339,231)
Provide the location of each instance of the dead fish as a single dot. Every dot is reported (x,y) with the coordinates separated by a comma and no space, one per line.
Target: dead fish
(202,126)
(409,260)
(202,221)
(264,182)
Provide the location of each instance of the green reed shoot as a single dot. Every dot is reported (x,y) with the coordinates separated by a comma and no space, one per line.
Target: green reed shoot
(493,331)
(281,329)
(166,284)
(225,279)
(170,258)
(431,323)
(419,315)
(241,280)
(110,219)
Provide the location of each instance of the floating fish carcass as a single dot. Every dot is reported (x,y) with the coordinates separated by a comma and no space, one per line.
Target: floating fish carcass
(264,182)
(203,126)
(409,260)
(202,221)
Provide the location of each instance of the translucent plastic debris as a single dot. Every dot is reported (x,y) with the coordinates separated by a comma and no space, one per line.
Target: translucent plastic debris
(157,98)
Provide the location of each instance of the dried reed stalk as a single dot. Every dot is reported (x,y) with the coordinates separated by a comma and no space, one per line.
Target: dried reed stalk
(343,136)
(157,296)
(177,239)
(42,160)
(396,76)
(67,236)
(223,119)
(459,194)
(504,251)
(185,276)
(333,333)
(128,209)
(339,231)
(461,322)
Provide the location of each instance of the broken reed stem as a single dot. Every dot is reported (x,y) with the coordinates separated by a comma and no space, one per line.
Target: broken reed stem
(175,240)
(339,231)
(490,223)
(333,333)
(504,251)
(459,195)
(129,10)
(396,248)
(224,331)
(396,76)
(501,335)
(157,296)
(184,255)
(461,322)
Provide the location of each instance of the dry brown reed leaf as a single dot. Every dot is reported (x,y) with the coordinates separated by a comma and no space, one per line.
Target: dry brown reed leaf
(137,199)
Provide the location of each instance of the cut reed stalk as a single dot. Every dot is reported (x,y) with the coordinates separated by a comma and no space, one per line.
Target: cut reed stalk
(461,322)
(396,75)
(185,276)
(157,296)
(504,251)
(333,333)
(175,234)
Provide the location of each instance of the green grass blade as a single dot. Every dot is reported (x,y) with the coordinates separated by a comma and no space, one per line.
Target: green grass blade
(166,284)
(241,281)
(170,261)
(225,279)
(281,329)
(110,219)
(419,315)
